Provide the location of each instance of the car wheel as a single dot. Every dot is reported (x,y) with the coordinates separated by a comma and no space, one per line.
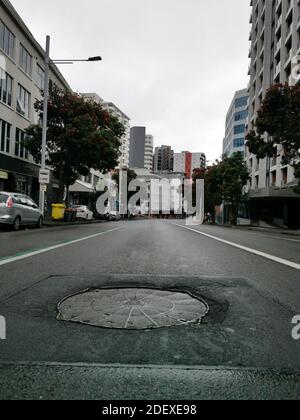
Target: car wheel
(39,223)
(17,224)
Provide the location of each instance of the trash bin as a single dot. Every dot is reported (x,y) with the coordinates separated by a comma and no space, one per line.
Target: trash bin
(69,215)
(58,211)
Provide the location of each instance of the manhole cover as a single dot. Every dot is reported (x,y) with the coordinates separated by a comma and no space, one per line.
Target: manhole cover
(136,309)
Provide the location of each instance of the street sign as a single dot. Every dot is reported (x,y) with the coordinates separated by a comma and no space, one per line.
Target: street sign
(3,175)
(43,188)
(44,177)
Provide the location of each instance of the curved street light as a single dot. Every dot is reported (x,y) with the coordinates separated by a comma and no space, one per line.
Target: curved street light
(48,62)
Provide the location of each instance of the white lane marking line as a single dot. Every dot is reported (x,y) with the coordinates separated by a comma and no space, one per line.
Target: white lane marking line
(53,247)
(244,248)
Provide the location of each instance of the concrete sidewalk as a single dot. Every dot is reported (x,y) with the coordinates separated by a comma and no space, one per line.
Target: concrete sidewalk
(53,223)
(281,231)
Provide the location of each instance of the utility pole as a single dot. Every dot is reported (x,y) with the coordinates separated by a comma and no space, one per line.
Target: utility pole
(45,120)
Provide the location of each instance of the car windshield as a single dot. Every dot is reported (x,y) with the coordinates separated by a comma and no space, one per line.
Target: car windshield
(160,141)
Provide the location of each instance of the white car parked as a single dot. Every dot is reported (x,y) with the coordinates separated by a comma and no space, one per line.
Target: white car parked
(83,212)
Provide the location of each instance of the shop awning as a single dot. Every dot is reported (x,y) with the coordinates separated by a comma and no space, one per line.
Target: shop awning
(81,187)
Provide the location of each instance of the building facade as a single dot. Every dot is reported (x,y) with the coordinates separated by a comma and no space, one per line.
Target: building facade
(122,117)
(234,140)
(125,120)
(137,147)
(163,159)
(187,162)
(275,45)
(149,145)
(22,80)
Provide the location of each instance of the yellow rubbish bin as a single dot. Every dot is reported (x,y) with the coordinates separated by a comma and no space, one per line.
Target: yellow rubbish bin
(58,211)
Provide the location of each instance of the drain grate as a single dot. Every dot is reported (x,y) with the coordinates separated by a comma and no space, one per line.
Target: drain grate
(133,309)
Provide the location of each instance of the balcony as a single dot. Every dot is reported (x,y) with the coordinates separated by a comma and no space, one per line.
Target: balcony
(278,47)
(288,59)
(278,4)
(278,26)
(277,70)
(289,34)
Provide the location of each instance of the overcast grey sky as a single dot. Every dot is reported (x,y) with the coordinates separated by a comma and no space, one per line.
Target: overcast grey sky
(171,65)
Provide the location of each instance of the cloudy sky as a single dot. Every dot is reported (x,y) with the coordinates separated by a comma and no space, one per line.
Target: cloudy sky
(171,65)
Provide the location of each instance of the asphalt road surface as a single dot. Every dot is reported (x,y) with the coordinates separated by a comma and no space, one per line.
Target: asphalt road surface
(243,349)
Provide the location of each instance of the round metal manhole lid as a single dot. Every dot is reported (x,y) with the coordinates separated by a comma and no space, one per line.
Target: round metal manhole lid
(133,309)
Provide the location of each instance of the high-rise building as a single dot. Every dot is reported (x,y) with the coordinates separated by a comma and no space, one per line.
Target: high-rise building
(236,117)
(22,78)
(163,159)
(137,147)
(187,162)
(149,144)
(125,141)
(275,45)
(122,117)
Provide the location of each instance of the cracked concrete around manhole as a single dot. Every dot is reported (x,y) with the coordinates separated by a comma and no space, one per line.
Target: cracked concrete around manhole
(132,308)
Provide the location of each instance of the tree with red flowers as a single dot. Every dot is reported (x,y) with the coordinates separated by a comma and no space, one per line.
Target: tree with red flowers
(80,136)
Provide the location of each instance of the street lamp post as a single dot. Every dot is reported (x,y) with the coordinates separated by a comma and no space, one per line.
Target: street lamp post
(45,116)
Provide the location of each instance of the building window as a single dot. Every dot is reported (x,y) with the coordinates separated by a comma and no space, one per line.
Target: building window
(241,102)
(25,60)
(239,143)
(6,85)
(239,116)
(239,129)
(23,102)
(21,184)
(5,130)
(20,149)
(40,77)
(7,40)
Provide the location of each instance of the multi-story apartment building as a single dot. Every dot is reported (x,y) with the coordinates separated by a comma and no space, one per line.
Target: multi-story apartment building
(275,42)
(163,159)
(149,145)
(122,117)
(125,120)
(187,162)
(22,80)
(234,140)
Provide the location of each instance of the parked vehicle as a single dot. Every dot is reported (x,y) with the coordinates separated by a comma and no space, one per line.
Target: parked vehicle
(83,212)
(18,210)
(114,216)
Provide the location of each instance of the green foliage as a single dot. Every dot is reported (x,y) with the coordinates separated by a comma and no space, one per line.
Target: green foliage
(224,182)
(131,175)
(232,174)
(80,136)
(211,197)
(279,117)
